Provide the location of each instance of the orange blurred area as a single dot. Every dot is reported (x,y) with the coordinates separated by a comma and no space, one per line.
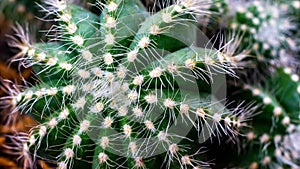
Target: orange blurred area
(13,124)
(7,160)
(13,75)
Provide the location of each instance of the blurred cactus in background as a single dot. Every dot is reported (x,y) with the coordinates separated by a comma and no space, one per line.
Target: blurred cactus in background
(122,87)
(267,26)
(270,78)
(18,10)
(21,11)
(272,142)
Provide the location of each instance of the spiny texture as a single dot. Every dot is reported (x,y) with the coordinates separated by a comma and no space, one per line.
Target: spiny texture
(266,25)
(272,142)
(272,81)
(125,89)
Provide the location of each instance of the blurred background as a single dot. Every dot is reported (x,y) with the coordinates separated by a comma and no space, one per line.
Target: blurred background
(26,13)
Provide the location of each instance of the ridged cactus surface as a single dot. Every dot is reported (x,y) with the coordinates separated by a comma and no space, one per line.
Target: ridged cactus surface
(270,79)
(126,89)
(272,141)
(136,89)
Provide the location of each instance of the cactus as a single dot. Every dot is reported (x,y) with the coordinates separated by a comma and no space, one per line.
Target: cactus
(126,88)
(266,25)
(17,10)
(134,89)
(274,88)
(21,11)
(271,142)
(270,79)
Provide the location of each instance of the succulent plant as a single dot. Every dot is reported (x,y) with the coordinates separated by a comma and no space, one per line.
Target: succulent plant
(266,25)
(133,89)
(271,142)
(271,81)
(126,88)
(17,10)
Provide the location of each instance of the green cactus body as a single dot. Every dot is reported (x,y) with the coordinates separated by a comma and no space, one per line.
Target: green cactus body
(266,25)
(118,90)
(266,30)
(271,143)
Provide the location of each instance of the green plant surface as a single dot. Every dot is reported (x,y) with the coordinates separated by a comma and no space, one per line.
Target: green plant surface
(124,89)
